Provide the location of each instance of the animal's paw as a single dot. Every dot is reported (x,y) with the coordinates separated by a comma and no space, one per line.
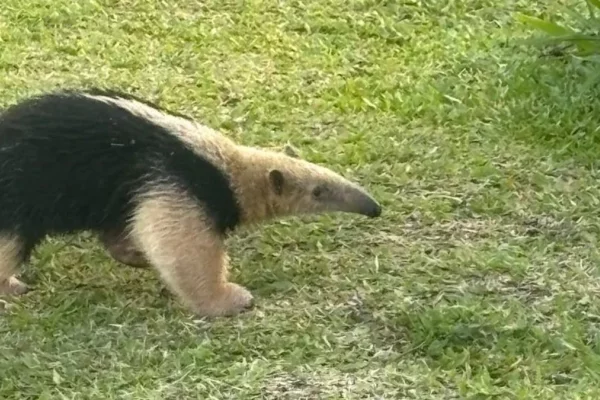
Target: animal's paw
(13,287)
(230,300)
(240,297)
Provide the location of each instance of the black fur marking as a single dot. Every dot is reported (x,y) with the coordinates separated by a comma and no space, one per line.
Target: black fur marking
(277,181)
(71,163)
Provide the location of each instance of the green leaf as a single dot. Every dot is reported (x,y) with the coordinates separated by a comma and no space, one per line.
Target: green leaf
(582,21)
(546,26)
(593,58)
(595,3)
(588,44)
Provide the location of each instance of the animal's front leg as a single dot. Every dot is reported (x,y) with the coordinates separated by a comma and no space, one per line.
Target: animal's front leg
(195,272)
(179,242)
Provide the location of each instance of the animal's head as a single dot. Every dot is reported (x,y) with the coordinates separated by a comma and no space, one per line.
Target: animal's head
(287,185)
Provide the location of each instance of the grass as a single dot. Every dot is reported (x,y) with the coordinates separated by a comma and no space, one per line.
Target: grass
(480,281)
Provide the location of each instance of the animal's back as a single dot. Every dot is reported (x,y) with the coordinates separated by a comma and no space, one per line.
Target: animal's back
(71,162)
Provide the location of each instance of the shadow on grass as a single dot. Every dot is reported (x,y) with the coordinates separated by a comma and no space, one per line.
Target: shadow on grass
(518,91)
(545,101)
(473,339)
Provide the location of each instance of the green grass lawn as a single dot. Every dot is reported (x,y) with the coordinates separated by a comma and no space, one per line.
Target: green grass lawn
(481,278)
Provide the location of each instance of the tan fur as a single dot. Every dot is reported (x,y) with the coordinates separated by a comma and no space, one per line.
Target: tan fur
(10,260)
(249,170)
(173,232)
(247,167)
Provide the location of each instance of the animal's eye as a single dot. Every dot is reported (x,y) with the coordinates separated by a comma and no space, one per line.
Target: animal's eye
(318,192)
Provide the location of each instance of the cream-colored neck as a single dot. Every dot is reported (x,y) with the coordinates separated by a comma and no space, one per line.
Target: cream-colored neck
(248,170)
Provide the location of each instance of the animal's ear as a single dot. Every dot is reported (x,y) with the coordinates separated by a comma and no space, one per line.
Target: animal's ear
(276,180)
(291,151)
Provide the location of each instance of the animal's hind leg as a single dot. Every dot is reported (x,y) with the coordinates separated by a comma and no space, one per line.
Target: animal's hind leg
(120,246)
(11,257)
(190,257)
